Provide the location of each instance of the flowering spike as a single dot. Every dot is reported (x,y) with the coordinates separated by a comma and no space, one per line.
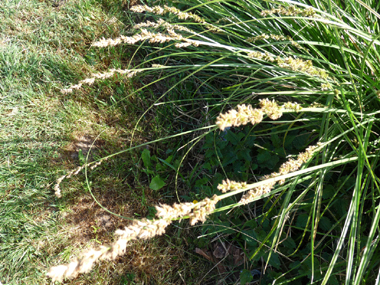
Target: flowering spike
(139,229)
(290,166)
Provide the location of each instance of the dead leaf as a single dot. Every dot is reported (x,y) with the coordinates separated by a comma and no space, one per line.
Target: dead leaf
(204,253)
(219,251)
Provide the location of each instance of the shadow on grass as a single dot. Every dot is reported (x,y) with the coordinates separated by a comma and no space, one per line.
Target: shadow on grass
(38,229)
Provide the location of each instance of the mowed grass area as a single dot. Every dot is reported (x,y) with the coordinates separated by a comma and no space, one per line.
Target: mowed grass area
(45,46)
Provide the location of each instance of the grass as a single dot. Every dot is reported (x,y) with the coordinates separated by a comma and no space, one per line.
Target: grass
(44,134)
(296,216)
(320,226)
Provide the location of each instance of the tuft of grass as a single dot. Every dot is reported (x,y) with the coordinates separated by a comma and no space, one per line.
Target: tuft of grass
(319,224)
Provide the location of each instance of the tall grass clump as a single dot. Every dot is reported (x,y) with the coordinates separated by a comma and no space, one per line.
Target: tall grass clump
(284,102)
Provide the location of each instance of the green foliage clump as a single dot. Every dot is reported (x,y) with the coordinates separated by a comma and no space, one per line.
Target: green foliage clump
(319,223)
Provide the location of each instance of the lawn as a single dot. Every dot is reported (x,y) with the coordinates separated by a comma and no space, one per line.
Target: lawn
(44,47)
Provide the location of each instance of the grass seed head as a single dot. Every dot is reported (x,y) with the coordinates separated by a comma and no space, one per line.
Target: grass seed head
(271,108)
(172,212)
(291,11)
(143,229)
(229,185)
(139,229)
(205,208)
(290,166)
(158,10)
(244,115)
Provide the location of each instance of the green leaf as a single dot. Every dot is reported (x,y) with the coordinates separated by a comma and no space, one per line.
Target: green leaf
(251,224)
(146,158)
(289,243)
(289,140)
(300,141)
(245,154)
(274,260)
(209,142)
(206,166)
(160,167)
(325,223)
(333,280)
(271,163)
(266,225)
(266,159)
(294,264)
(250,141)
(302,220)
(245,277)
(82,159)
(157,183)
(305,268)
(202,181)
(328,191)
(280,151)
(241,136)
(169,159)
(276,140)
(341,206)
(238,166)
(148,171)
(232,137)
(263,157)
(229,158)
(249,236)
(258,255)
